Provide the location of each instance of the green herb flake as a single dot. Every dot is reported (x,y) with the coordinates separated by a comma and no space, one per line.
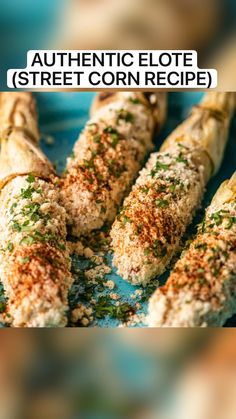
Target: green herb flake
(30,178)
(159,166)
(9,247)
(25,260)
(202,281)
(97,138)
(123,311)
(89,164)
(181,145)
(125,115)
(161,203)
(27,193)
(158,249)
(28,240)
(135,101)
(105,307)
(200,246)
(13,207)
(144,189)
(61,246)
(200,270)
(172,188)
(126,219)
(16,226)
(181,159)
(115,136)
(231,222)
(139,228)
(217,218)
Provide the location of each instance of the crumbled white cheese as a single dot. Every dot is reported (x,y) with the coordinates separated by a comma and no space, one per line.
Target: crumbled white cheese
(109,284)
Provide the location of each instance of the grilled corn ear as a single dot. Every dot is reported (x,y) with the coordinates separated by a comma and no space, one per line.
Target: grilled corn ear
(19,136)
(108,156)
(34,261)
(201,290)
(147,232)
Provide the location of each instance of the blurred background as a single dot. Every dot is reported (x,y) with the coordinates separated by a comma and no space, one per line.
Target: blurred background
(205,25)
(152,374)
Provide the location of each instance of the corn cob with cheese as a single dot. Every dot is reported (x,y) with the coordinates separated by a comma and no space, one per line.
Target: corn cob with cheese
(201,290)
(147,232)
(34,261)
(108,156)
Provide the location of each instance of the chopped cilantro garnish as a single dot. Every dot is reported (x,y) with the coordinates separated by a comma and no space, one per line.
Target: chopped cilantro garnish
(158,249)
(24,260)
(146,252)
(202,281)
(159,166)
(89,164)
(126,219)
(110,130)
(201,246)
(181,159)
(144,189)
(16,226)
(27,193)
(97,138)
(13,207)
(123,311)
(28,240)
(115,140)
(172,188)
(182,146)
(161,203)
(217,218)
(2,299)
(231,222)
(61,246)
(134,100)
(105,307)
(9,247)
(30,178)
(125,115)
(113,134)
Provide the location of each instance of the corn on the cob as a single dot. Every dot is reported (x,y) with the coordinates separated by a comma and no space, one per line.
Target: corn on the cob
(34,261)
(147,232)
(108,156)
(201,290)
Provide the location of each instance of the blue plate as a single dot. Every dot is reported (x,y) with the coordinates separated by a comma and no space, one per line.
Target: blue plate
(63,116)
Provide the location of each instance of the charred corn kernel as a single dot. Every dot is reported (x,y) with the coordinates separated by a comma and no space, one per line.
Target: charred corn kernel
(34,260)
(201,289)
(108,156)
(147,232)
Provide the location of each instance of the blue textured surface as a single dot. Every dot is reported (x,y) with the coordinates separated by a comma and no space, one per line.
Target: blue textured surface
(63,115)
